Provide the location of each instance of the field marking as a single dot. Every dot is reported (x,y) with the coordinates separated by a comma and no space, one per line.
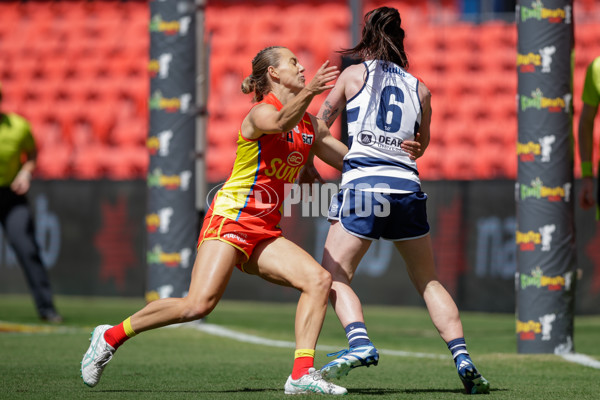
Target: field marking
(216,330)
(13,327)
(246,338)
(582,359)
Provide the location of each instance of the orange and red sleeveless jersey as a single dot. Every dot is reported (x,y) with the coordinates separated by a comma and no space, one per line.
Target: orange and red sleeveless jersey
(263,172)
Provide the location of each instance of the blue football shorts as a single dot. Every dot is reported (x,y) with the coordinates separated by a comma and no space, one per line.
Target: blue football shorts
(374,215)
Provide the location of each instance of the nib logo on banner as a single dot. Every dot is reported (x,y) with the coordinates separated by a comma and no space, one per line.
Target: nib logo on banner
(172,260)
(169,182)
(170,104)
(159,221)
(160,144)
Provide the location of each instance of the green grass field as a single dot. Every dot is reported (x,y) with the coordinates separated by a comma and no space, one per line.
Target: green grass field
(40,361)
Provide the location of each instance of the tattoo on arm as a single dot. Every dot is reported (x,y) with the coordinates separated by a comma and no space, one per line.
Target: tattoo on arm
(329,114)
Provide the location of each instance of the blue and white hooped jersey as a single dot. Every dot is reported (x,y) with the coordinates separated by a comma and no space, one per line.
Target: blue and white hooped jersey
(384,113)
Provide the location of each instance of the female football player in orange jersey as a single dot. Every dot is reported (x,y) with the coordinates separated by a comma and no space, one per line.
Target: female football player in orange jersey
(241,229)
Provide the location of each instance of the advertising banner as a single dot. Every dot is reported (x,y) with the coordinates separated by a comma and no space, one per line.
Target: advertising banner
(92,236)
(545,237)
(171,213)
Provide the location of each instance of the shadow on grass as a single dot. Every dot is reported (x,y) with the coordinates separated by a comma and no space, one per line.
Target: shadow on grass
(242,390)
(375,392)
(359,391)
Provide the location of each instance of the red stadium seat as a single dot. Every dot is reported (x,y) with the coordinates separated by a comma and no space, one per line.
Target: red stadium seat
(67,114)
(136,90)
(53,162)
(266,26)
(26,68)
(89,161)
(10,15)
(46,128)
(587,6)
(101,115)
(129,132)
(431,164)
(72,66)
(462,84)
(461,35)
(431,38)
(492,133)
(225,76)
(91,67)
(501,34)
(222,133)
(492,159)
(496,59)
(54,56)
(126,162)
(458,161)
(459,132)
(219,162)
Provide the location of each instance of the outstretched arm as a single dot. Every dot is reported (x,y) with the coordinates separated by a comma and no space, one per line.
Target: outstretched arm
(327,147)
(347,85)
(266,119)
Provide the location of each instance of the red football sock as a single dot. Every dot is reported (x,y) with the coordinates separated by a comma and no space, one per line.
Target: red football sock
(118,334)
(301,366)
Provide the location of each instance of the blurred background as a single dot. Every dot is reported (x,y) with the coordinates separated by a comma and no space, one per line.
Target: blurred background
(80,72)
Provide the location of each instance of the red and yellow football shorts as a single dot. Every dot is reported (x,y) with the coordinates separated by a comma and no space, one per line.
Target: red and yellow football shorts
(243,237)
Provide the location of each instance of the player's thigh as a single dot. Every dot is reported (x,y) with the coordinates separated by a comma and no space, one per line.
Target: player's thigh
(420,263)
(212,270)
(283,262)
(343,251)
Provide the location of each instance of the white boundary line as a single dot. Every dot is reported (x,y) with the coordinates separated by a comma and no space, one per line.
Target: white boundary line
(242,337)
(217,330)
(582,359)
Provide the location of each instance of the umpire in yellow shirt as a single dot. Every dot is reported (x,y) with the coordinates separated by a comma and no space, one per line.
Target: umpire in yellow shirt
(17,162)
(591,100)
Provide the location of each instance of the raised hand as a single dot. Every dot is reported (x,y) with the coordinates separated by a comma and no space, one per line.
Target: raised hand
(325,74)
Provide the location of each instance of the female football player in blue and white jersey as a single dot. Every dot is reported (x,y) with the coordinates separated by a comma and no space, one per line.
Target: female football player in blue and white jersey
(389,115)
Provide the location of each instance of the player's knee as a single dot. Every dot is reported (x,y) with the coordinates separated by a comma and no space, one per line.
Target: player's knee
(194,310)
(321,280)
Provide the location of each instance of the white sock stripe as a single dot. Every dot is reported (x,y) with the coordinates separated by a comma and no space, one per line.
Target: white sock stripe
(357,330)
(454,354)
(458,345)
(353,338)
